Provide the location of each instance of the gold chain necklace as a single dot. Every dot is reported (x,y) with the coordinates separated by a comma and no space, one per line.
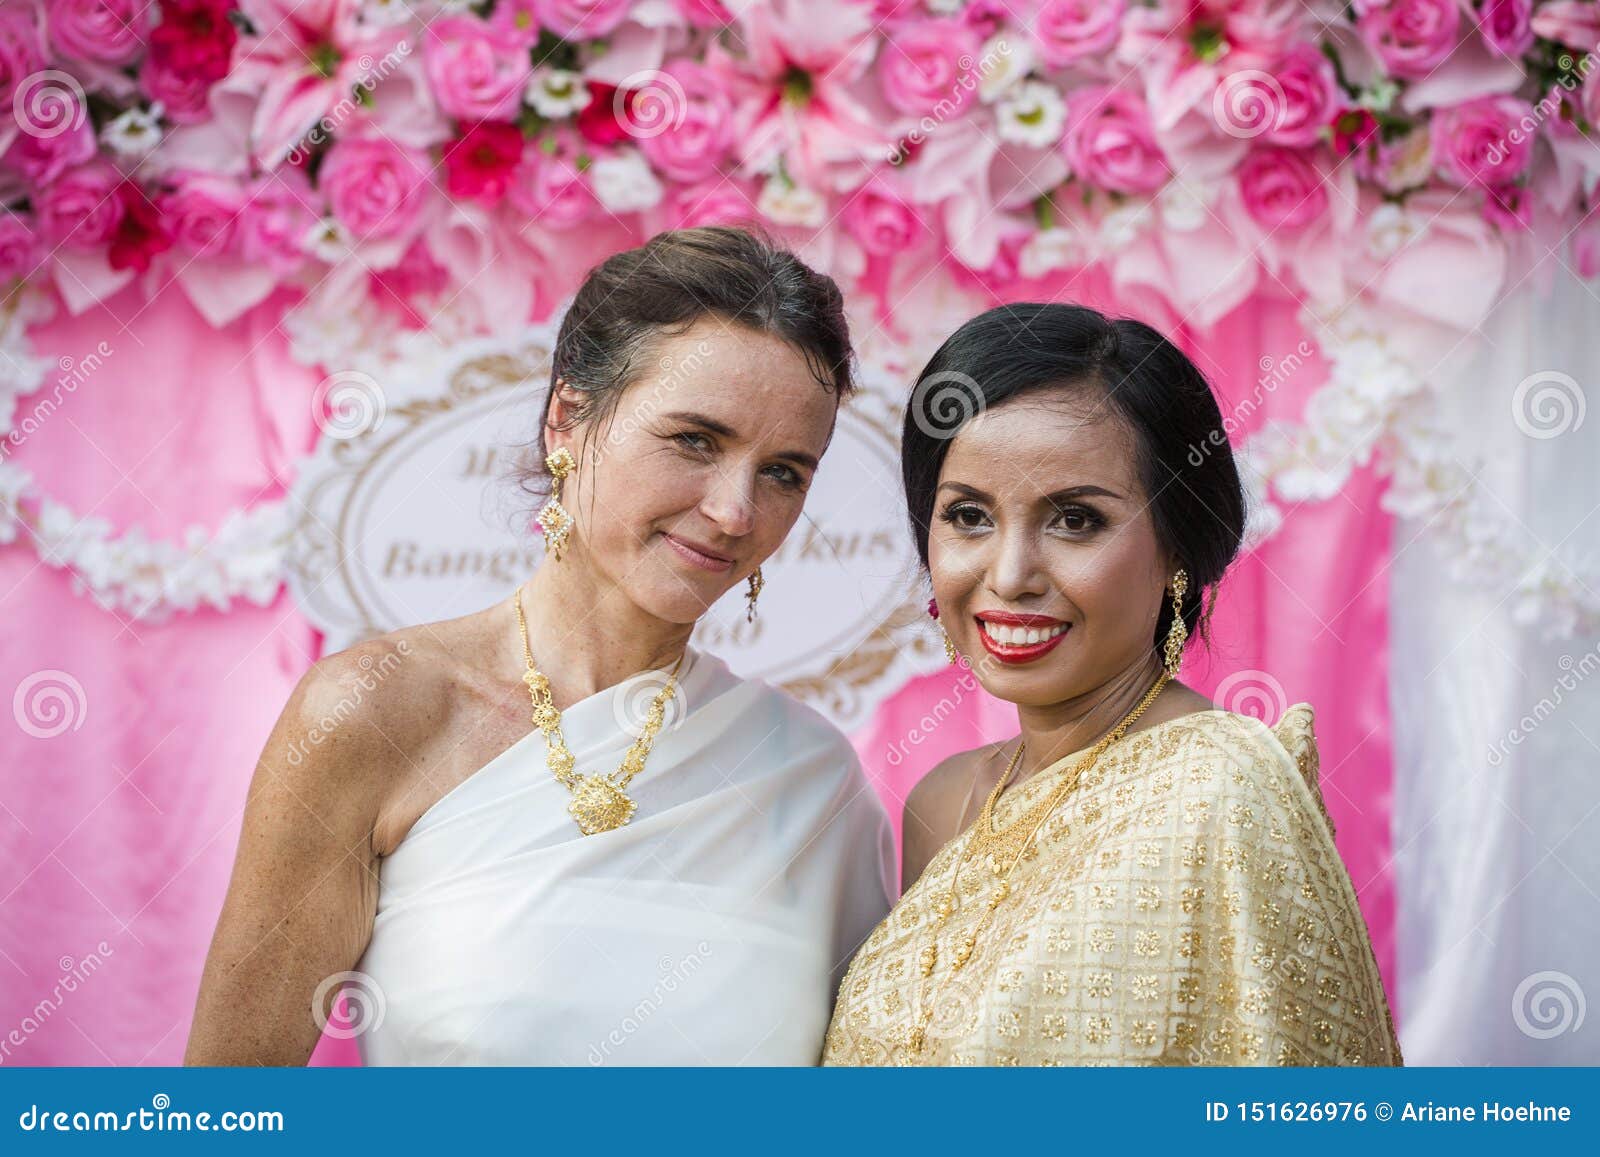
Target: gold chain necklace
(1004,850)
(599,802)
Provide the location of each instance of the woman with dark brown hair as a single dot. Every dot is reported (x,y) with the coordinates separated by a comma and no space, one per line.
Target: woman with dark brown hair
(673,864)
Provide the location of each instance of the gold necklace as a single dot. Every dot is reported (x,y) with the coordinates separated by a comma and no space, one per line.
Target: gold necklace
(599,802)
(1004,850)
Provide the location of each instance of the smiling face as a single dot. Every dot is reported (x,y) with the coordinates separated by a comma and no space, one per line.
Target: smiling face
(701,470)
(1042,550)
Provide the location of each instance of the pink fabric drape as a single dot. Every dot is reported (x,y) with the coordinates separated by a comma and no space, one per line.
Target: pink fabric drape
(123,830)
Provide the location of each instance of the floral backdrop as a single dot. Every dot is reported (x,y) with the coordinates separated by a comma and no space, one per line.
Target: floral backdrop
(206,206)
(416,169)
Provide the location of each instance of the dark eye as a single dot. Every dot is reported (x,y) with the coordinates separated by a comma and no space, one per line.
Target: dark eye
(963,515)
(693,440)
(787,476)
(1080,519)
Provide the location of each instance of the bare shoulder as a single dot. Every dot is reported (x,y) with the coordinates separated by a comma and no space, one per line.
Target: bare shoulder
(941,792)
(1174,702)
(934,809)
(390,686)
(393,718)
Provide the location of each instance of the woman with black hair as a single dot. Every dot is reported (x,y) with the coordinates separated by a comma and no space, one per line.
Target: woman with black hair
(1139,877)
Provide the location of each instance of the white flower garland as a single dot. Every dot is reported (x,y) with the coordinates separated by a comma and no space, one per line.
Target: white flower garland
(1375,400)
(130,573)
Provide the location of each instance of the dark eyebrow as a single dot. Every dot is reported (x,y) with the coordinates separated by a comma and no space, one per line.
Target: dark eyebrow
(1054,498)
(799,457)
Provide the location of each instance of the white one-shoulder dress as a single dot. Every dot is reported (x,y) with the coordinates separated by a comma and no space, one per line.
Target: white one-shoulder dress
(711,929)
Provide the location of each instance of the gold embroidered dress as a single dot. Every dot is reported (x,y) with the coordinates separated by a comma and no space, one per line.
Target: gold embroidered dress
(1185,905)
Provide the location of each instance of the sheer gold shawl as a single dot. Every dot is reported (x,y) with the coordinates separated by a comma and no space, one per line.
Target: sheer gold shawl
(1185,906)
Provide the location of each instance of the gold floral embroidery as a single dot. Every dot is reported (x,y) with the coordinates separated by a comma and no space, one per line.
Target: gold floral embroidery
(1194,870)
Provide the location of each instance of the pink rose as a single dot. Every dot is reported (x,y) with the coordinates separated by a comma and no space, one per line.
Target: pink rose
(711,202)
(1110,143)
(929,68)
(21,52)
(201,212)
(1410,37)
(182,95)
(190,50)
(1508,26)
(881,222)
(683,121)
(1353,129)
(1311,97)
(20,251)
(1281,188)
(550,188)
(81,210)
(1067,31)
(581,19)
(1484,140)
(55,134)
(374,186)
(280,213)
(475,74)
(140,233)
(480,164)
(102,31)
(985,17)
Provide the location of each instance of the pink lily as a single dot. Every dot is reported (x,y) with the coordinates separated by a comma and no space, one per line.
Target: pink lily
(305,63)
(793,80)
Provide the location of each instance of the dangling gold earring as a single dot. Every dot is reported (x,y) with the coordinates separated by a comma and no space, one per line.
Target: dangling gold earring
(950,651)
(751,594)
(553,517)
(1177,634)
